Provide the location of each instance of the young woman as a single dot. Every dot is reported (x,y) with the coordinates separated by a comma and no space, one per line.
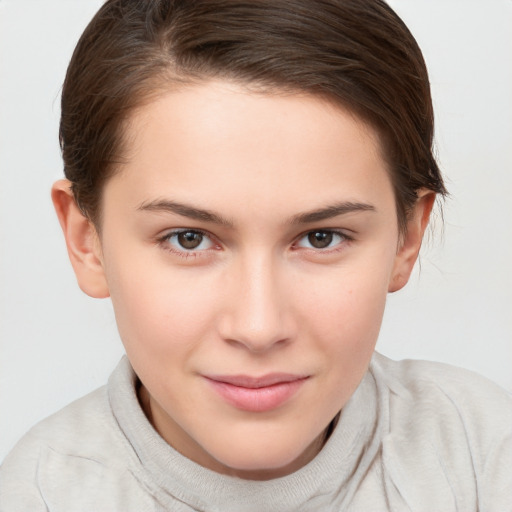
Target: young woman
(247,181)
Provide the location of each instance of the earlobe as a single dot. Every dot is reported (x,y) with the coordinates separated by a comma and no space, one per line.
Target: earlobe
(82,242)
(409,249)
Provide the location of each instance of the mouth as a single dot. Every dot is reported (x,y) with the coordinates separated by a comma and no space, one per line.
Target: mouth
(257,394)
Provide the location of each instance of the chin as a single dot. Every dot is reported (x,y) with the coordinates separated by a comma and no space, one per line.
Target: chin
(264,461)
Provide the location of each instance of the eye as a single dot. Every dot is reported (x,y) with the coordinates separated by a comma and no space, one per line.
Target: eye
(321,239)
(188,240)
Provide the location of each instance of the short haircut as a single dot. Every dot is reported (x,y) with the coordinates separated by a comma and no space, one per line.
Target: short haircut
(355,53)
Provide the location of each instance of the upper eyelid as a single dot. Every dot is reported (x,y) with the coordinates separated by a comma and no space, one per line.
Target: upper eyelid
(167,235)
(172,232)
(346,233)
(345,239)
(164,242)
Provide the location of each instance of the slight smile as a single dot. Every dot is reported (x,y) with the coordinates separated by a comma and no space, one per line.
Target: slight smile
(257,394)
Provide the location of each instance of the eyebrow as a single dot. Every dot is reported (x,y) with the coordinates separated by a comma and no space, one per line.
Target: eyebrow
(328,212)
(167,206)
(331,211)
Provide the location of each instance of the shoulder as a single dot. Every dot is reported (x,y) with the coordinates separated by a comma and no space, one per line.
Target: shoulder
(79,449)
(68,432)
(449,423)
(71,430)
(445,390)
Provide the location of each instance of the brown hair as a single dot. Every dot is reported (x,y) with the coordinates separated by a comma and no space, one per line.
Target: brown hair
(356,52)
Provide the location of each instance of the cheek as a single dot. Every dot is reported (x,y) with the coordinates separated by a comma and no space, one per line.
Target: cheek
(348,324)
(348,305)
(158,310)
(354,328)
(343,314)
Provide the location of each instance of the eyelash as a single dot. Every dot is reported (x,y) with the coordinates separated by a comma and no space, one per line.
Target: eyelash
(164,241)
(345,239)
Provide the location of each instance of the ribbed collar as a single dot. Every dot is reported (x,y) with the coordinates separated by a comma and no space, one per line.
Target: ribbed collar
(332,476)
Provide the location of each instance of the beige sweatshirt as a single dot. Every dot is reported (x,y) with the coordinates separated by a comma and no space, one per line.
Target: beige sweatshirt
(415,436)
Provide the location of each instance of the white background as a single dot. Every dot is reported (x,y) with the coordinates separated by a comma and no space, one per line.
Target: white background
(56,344)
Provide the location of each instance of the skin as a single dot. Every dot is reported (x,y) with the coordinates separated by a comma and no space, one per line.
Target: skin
(256,296)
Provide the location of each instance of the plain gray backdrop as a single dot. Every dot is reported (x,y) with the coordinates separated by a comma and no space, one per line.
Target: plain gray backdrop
(56,344)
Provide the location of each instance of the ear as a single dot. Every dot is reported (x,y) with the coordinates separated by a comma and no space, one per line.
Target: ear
(82,241)
(409,248)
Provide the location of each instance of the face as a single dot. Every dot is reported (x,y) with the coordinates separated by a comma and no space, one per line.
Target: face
(248,245)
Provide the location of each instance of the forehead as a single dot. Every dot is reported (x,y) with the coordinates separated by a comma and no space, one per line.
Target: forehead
(222,144)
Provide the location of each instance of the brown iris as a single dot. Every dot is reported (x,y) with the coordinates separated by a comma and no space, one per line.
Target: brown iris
(190,239)
(320,239)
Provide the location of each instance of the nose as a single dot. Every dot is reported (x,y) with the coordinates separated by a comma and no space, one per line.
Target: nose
(257,311)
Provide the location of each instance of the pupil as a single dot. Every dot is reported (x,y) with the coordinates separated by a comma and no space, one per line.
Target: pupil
(190,239)
(320,239)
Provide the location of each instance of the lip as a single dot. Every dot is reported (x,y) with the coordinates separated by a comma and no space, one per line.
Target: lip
(256,394)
